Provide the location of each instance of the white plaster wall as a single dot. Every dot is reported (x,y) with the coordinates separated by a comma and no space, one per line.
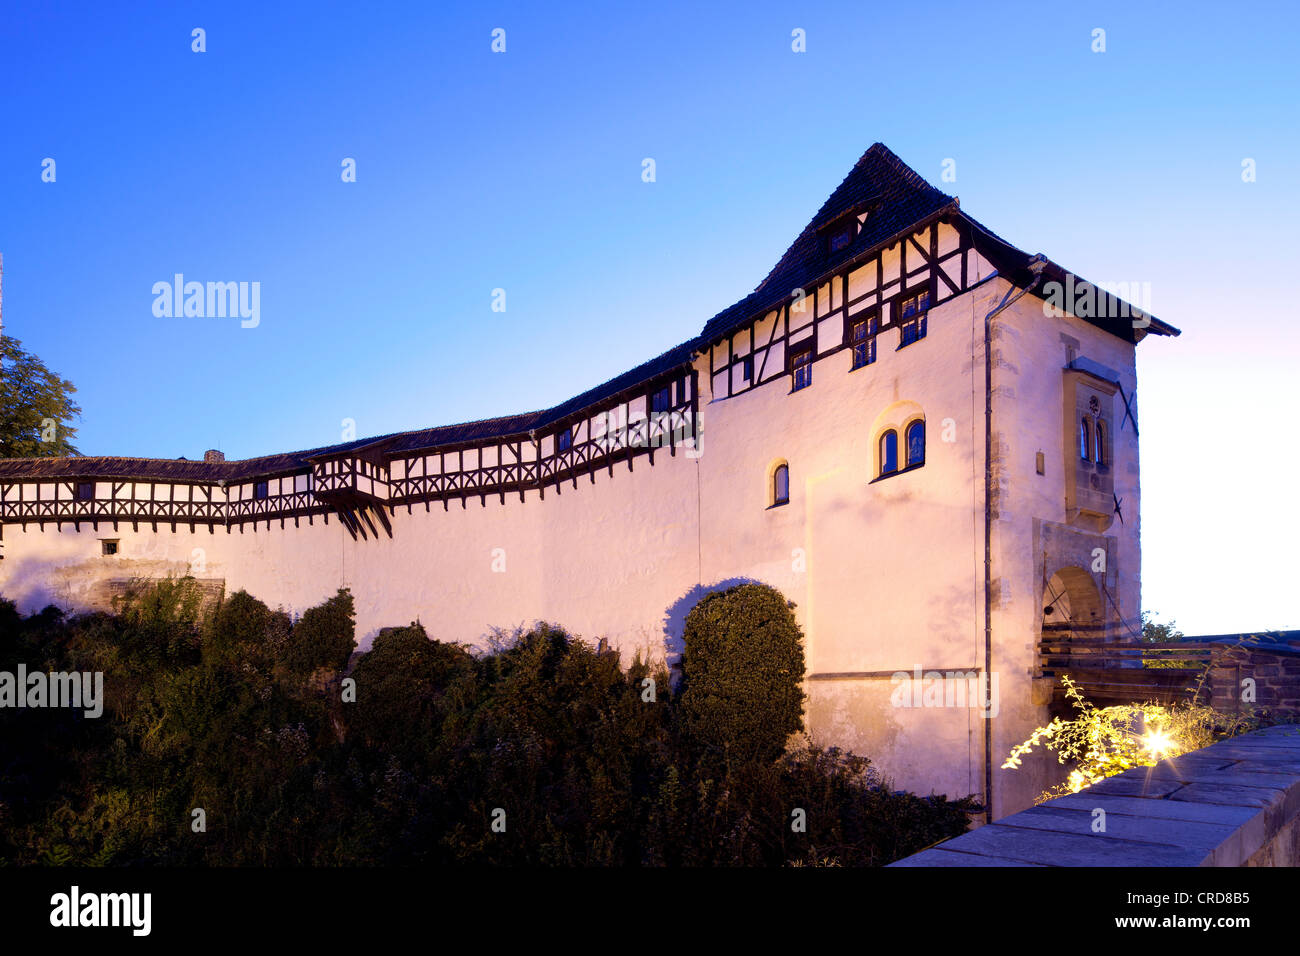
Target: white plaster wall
(605,559)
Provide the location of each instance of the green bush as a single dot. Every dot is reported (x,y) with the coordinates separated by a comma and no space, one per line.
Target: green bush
(324,636)
(589,766)
(402,684)
(742,674)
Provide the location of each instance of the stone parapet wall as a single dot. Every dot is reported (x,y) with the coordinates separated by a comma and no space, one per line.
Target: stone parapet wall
(1234,803)
(1275,673)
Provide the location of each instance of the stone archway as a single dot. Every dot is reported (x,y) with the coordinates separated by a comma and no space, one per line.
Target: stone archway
(1072,605)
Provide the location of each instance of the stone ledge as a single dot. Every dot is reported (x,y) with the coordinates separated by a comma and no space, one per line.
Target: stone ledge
(1234,803)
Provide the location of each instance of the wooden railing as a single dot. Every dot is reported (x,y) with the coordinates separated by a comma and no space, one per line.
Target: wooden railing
(1111,671)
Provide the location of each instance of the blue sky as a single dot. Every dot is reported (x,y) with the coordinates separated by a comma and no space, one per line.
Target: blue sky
(522,171)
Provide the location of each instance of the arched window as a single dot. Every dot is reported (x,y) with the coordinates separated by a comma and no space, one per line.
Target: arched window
(781,485)
(889,452)
(1085,439)
(916,444)
(1100,457)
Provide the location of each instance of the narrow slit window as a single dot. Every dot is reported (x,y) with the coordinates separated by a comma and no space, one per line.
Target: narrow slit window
(1085,439)
(747,368)
(1100,456)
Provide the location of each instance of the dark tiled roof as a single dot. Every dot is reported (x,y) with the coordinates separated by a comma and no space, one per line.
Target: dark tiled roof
(171,469)
(1013,263)
(174,469)
(894,196)
(517,424)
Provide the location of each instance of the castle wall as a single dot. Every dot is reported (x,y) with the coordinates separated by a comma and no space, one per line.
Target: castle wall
(603,559)
(886,574)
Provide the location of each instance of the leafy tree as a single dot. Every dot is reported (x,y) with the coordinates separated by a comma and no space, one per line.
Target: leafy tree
(1156,633)
(35,406)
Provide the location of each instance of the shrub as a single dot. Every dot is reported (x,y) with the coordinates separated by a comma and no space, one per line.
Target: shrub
(323,636)
(1104,741)
(742,671)
(401,686)
(590,768)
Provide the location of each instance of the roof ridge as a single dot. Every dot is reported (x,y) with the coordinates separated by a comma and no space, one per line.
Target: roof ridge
(877,152)
(900,167)
(88,457)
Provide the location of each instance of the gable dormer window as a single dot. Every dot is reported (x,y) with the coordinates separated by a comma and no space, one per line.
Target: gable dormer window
(841,237)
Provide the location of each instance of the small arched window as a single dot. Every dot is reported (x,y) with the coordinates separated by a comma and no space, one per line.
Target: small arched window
(916,444)
(1100,456)
(1085,439)
(889,452)
(781,485)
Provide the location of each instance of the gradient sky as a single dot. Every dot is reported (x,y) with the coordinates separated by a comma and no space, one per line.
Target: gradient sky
(522,171)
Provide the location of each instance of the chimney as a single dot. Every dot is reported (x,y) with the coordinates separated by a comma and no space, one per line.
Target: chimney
(213,455)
